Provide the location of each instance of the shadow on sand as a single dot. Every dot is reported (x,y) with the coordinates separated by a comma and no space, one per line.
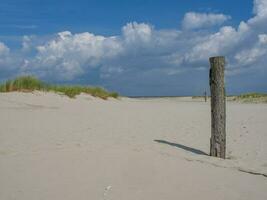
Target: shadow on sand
(192,150)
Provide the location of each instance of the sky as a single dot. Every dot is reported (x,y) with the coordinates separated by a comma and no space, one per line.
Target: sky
(137,47)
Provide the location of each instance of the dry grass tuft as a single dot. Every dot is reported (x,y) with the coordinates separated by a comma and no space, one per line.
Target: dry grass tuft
(31,83)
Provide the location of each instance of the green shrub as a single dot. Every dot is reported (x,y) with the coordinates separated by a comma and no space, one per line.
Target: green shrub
(31,83)
(252,95)
(3,88)
(70,91)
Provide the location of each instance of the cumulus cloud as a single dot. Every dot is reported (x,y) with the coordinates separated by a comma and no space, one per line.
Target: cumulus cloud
(193,20)
(9,62)
(257,53)
(26,43)
(263,38)
(3,49)
(69,55)
(260,8)
(134,32)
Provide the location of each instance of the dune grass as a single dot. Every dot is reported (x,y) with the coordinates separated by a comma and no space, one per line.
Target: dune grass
(243,98)
(252,95)
(252,98)
(31,83)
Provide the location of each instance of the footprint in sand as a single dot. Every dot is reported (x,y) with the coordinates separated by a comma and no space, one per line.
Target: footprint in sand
(108,188)
(78,145)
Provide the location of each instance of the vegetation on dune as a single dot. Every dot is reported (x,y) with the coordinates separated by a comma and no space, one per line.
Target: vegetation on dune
(31,83)
(72,91)
(23,83)
(252,97)
(198,97)
(246,98)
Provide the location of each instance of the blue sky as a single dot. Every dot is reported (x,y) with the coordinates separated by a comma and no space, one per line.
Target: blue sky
(138,47)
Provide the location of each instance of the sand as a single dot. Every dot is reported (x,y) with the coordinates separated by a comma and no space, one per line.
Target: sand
(56,148)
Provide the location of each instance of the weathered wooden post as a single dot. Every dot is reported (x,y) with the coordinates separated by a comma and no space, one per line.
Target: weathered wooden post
(218,110)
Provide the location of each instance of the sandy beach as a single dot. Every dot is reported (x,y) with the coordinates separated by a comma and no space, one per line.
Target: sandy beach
(55,147)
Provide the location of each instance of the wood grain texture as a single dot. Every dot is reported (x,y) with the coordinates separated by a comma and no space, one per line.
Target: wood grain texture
(218,107)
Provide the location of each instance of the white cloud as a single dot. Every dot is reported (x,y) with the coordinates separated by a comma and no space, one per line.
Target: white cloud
(263,38)
(69,55)
(193,20)
(259,20)
(254,55)
(134,32)
(9,62)
(260,8)
(214,44)
(26,43)
(4,50)
(4,53)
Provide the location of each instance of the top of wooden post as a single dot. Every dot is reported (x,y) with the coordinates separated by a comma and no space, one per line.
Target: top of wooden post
(217,58)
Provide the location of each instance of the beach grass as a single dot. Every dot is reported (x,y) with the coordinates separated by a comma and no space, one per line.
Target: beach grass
(31,83)
(252,95)
(252,98)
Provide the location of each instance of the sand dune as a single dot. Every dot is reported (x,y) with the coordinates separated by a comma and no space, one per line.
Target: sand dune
(54,147)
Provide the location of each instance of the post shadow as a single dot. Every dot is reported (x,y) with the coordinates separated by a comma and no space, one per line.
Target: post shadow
(186,148)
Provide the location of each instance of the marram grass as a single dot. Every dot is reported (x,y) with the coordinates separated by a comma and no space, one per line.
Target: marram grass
(31,83)
(252,98)
(252,95)
(245,98)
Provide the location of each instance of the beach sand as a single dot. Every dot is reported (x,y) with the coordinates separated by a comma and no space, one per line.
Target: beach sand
(56,148)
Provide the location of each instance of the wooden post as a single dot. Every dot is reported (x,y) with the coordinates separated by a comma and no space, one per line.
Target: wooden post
(205,96)
(218,110)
